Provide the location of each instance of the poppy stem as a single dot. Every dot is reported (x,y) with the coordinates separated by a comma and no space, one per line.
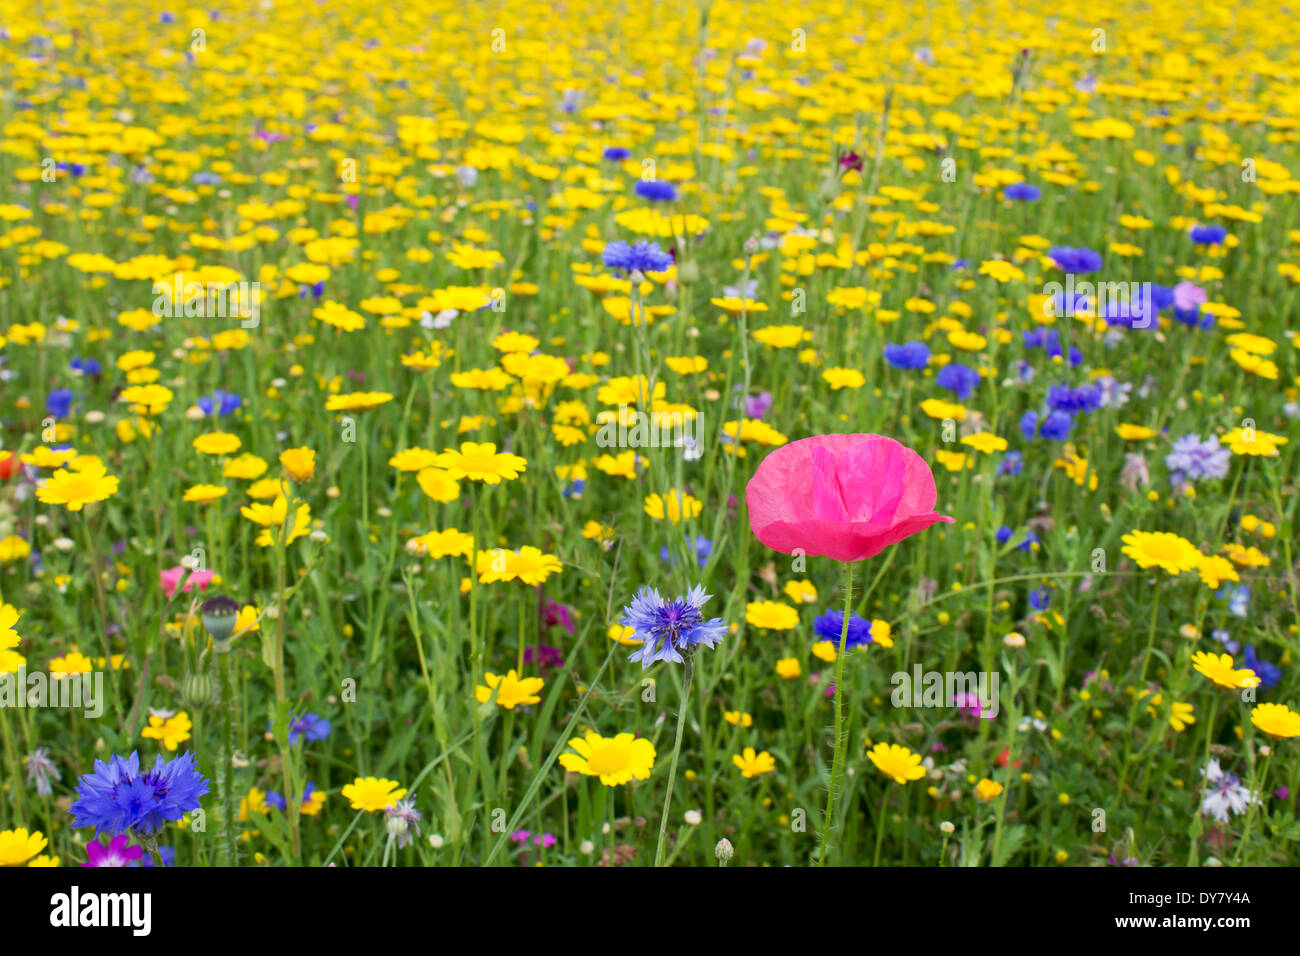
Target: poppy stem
(837,762)
(687,676)
(226,705)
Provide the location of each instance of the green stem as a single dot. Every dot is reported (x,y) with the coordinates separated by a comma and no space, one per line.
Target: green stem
(688,676)
(837,768)
(226,706)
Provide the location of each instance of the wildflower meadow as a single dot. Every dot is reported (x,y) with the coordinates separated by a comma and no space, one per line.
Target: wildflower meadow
(707,433)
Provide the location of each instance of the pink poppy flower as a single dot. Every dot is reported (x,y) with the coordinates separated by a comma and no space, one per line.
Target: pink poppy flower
(845,497)
(172,577)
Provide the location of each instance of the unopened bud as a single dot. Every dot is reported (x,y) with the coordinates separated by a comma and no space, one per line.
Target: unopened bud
(198,690)
(724,851)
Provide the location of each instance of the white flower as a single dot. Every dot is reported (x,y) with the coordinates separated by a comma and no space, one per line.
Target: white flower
(1114,394)
(1224,792)
(440,321)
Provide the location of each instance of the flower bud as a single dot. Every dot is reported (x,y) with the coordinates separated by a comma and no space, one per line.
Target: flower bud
(198,690)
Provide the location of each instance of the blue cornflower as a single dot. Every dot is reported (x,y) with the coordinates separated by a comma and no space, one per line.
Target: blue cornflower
(1193,459)
(1056,426)
(117,797)
(656,191)
(616,154)
(1208,235)
(1270,675)
(1121,313)
(644,256)
(958,378)
(702,547)
(1162,296)
(1194,318)
(1039,599)
(571,100)
(911,355)
(1005,534)
(1011,464)
(1060,398)
(1047,339)
(830,625)
(1022,192)
(1075,260)
(220,404)
(1028,425)
(59,402)
(311,726)
(666,627)
(168,854)
(275,799)
(1074,401)
(88,366)
(1076,305)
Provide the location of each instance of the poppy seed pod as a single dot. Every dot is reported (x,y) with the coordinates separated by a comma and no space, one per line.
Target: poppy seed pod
(219,616)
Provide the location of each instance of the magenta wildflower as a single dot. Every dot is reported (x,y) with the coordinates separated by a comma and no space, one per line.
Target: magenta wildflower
(117,853)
